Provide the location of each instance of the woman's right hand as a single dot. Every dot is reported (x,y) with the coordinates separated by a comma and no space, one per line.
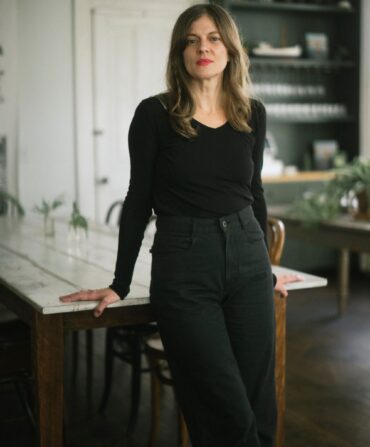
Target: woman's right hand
(105,297)
(286,279)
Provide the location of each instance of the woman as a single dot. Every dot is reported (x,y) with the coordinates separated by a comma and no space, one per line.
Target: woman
(196,158)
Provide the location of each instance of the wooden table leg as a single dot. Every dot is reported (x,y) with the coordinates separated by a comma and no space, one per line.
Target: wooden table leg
(343,280)
(280,318)
(48,362)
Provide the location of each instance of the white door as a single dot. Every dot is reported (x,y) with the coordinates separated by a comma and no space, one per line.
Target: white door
(129,52)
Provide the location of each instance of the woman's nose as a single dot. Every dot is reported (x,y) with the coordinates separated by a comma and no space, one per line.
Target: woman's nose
(203,46)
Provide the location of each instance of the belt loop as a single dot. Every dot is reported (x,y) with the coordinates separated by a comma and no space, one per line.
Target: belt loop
(242,223)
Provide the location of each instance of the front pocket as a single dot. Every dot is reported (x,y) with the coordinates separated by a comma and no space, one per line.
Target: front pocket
(253,230)
(171,243)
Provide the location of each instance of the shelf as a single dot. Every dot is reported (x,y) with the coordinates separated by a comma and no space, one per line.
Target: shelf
(290,7)
(306,120)
(271,62)
(307,176)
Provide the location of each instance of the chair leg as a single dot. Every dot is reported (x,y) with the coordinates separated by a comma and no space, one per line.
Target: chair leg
(74,356)
(155,401)
(183,430)
(89,366)
(25,397)
(108,370)
(136,346)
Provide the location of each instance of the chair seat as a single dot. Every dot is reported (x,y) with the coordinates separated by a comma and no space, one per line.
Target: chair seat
(155,344)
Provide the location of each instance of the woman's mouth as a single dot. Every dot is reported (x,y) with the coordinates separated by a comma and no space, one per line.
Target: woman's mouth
(204,62)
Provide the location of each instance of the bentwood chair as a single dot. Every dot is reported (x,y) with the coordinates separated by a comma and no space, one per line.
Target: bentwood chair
(160,375)
(126,343)
(276,239)
(117,205)
(159,366)
(15,361)
(15,338)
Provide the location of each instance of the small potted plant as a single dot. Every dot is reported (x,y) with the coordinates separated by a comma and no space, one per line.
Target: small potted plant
(348,191)
(9,204)
(46,209)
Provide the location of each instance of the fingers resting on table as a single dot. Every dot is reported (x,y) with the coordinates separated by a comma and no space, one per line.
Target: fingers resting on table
(285,279)
(105,297)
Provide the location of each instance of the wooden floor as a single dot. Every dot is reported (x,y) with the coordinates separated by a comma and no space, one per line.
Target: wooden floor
(328,383)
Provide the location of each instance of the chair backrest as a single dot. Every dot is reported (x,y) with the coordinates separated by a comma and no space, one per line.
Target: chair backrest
(115,205)
(276,239)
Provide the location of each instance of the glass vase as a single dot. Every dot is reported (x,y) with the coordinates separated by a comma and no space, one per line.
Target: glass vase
(77,241)
(49,226)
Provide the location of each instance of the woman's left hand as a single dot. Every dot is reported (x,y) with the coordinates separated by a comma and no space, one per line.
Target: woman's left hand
(285,279)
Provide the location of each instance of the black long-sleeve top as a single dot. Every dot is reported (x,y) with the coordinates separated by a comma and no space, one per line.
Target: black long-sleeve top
(215,174)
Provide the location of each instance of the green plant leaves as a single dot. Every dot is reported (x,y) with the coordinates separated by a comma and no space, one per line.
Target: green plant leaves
(8,198)
(77,220)
(46,207)
(326,204)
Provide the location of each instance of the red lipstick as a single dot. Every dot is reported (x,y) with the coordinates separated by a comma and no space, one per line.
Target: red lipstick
(204,62)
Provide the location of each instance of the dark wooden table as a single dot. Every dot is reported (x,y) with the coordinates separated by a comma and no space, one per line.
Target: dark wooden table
(345,233)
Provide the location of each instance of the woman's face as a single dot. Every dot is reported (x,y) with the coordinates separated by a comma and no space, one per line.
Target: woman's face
(205,55)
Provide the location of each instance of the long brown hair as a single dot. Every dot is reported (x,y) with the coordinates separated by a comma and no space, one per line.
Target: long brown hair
(236,79)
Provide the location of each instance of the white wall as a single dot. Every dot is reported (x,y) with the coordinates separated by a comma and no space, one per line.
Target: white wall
(8,109)
(45,111)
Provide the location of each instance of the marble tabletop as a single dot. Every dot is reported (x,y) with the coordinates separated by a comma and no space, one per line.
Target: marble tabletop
(40,269)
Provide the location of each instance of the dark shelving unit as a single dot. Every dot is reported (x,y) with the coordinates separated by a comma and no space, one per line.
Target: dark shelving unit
(284,24)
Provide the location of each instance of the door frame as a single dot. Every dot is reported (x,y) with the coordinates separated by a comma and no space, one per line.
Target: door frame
(82,12)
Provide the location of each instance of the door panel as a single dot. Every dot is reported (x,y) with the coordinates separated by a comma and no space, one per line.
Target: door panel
(129,59)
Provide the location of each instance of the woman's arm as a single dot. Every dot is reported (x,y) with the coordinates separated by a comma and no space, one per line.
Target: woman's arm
(137,207)
(259,202)
(136,210)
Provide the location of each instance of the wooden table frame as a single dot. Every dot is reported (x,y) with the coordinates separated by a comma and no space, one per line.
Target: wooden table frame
(48,333)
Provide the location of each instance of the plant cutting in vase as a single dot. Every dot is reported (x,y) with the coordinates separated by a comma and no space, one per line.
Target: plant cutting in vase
(46,209)
(350,187)
(9,202)
(77,221)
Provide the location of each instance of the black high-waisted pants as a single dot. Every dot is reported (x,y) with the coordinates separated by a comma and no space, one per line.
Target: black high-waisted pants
(212,294)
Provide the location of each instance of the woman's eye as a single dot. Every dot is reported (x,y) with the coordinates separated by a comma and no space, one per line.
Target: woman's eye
(215,38)
(191,41)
